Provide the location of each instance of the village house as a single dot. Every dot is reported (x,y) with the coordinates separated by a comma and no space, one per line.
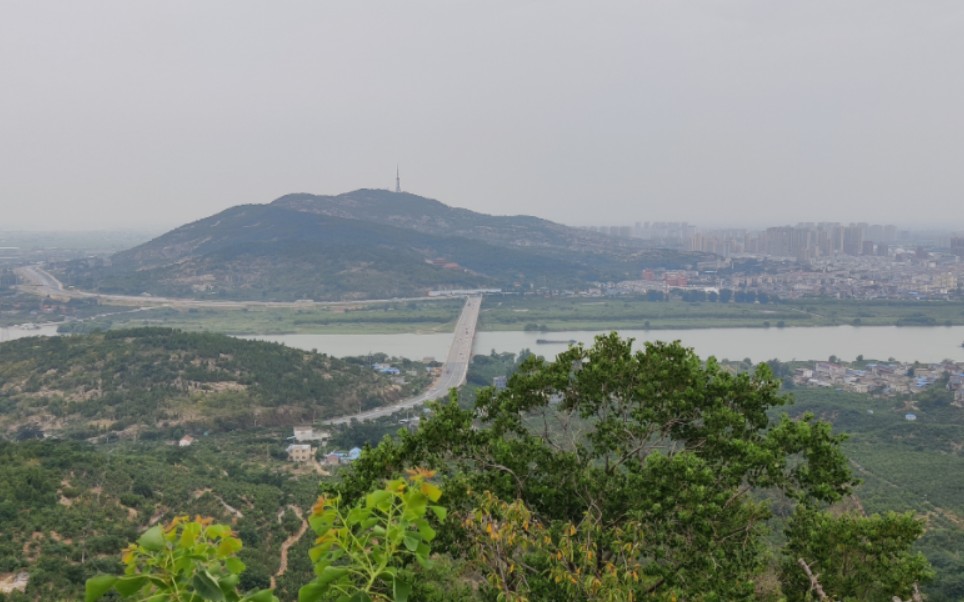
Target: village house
(300,452)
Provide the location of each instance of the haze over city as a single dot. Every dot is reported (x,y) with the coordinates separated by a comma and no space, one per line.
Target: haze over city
(750,113)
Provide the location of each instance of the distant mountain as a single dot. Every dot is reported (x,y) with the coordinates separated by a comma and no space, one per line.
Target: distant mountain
(362,244)
(160,378)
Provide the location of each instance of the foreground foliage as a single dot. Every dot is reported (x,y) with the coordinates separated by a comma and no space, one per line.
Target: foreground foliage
(361,554)
(641,475)
(186,561)
(607,474)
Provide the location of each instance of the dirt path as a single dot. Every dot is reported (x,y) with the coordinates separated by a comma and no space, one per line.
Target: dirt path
(231,509)
(283,565)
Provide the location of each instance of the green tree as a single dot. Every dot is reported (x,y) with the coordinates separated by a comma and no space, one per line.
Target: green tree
(652,451)
(854,557)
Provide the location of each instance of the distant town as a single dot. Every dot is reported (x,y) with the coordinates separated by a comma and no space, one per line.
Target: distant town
(854,261)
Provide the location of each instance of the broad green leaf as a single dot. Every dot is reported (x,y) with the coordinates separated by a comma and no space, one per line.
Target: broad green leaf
(415,503)
(98,586)
(440,512)
(265,595)
(234,565)
(329,575)
(402,589)
(427,532)
(229,546)
(411,542)
(152,539)
(379,499)
(357,515)
(311,592)
(131,584)
(421,555)
(207,586)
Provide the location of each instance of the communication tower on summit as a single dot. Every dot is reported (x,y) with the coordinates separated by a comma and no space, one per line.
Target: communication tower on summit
(398,181)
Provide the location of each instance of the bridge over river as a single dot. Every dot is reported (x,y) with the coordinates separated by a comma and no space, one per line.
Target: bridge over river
(453,371)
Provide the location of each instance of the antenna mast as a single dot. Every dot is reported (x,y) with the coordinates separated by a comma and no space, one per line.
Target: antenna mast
(398,180)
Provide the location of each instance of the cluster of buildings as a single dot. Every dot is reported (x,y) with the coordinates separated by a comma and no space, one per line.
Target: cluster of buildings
(889,379)
(907,276)
(808,240)
(803,241)
(826,259)
(303,448)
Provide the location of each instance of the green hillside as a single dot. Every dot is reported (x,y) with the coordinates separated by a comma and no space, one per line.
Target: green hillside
(146,382)
(67,509)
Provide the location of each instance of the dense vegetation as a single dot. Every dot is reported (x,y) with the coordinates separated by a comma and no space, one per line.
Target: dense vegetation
(649,463)
(67,509)
(906,466)
(609,474)
(154,380)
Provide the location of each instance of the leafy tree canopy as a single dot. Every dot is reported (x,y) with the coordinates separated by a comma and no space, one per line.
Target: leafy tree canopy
(618,474)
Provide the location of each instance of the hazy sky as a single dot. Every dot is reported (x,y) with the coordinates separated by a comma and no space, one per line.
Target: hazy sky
(123,113)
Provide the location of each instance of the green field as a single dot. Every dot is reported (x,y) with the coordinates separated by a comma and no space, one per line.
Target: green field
(905,465)
(544,314)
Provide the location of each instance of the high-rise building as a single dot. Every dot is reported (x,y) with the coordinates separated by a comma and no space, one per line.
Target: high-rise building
(957,245)
(853,240)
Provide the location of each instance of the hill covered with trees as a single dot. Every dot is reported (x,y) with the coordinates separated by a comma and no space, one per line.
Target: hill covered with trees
(151,382)
(362,244)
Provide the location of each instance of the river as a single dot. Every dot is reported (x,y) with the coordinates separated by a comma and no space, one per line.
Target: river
(925,344)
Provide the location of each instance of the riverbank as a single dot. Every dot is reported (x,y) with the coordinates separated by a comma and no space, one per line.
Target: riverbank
(539,314)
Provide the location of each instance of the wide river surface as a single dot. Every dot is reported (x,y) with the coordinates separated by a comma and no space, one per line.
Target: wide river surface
(925,344)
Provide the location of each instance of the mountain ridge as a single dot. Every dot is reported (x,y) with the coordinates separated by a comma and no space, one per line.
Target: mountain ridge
(362,244)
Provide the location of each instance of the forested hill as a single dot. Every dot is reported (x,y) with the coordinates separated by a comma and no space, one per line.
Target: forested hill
(156,379)
(362,244)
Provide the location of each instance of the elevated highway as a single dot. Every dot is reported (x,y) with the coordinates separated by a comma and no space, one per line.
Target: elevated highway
(453,373)
(38,281)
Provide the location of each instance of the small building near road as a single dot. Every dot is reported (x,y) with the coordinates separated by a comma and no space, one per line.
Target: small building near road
(307,433)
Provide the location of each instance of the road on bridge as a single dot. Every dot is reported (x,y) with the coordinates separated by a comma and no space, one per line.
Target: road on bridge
(453,371)
(40,282)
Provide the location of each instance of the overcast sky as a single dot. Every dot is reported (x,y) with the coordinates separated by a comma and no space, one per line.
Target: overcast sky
(122,113)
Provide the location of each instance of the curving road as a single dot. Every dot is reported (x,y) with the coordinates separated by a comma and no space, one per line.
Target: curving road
(453,371)
(38,281)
